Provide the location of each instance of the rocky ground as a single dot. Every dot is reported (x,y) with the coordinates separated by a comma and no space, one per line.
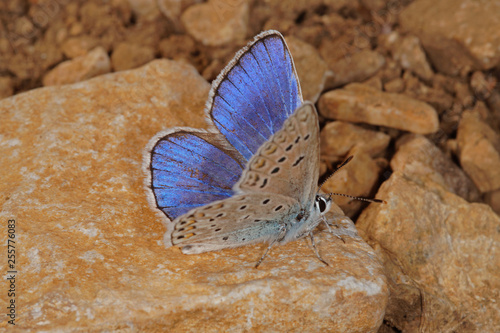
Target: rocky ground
(409,88)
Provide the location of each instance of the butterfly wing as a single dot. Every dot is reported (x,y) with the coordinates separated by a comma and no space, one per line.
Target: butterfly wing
(191,168)
(256,92)
(240,220)
(288,164)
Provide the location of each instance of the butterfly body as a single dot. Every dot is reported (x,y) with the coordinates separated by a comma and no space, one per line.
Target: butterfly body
(252,177)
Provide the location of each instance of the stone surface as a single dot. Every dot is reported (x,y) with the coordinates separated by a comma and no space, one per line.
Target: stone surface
(358,178)
(417,157)
(468,39)
(91,253)
(84,67)
(311,69)
(352,68)
(361,103)
(128,56)
(338,137)
(479,151)
(440,254)
(217,22)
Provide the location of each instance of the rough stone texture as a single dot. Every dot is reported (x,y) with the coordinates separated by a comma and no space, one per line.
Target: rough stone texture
(84,67)
(352,68)
(217,22)
(338,137)
(417,157)
(358,178)
(362,103)
(127,56)
(91,254)
(468,39)
(479,150)
(441,255)
(311,69)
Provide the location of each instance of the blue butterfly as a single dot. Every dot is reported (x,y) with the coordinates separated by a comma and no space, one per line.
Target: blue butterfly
(253,176)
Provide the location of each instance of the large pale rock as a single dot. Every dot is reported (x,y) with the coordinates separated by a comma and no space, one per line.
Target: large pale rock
(440,254)
(468,39)
(217,22)
(311,69)
(81,68)
(479,150)
(418,158)
(91,255)
(361,103)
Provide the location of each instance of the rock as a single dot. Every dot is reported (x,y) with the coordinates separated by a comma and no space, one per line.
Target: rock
(395,86)
(127,56)
(217,22)
(311,69)
(493,199)
(92,255)
(78,46)
(357,178)
(410,55)
(358,67)
(143,7)
(479,149)
(420,160)
(435,96)
(95,63)
(338,137)
(172,9)
(6,87)
(360,103)
(468,39)
(438,252)
(177,47)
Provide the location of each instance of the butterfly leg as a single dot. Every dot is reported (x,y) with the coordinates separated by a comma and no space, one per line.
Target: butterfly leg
(316,250)
(281,234)
(331,231)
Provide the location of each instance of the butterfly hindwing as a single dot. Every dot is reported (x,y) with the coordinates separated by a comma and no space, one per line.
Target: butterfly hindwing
(287,164)
(190,169)
(240,220)
(255,93)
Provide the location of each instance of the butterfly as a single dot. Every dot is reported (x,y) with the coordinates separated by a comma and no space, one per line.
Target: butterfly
(253,176)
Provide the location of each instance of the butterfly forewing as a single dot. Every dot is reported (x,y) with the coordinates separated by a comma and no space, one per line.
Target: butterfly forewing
(287,164)
(240,220)
(255,93)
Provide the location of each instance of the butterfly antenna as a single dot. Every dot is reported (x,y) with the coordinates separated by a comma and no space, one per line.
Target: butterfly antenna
(359,198)
(338,168)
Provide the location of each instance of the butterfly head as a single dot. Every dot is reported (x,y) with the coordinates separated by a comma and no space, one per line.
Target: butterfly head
(322,203)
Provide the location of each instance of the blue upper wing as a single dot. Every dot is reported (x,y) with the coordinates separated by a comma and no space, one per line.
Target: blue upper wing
(255,93)
(190,169)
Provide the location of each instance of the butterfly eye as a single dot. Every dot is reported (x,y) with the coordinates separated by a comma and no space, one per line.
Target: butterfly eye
(321,204)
